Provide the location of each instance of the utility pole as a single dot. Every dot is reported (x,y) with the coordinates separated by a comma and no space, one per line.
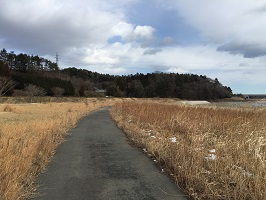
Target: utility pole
(57,59)
(57,62)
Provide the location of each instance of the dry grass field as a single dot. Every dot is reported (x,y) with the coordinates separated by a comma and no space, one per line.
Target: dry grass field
(29,134)
(213,153)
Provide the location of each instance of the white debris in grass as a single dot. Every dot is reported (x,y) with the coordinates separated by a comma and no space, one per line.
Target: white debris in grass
(153,137)
(173,139)
(145,150)
(206,172)
(212,151)
(245,173)
(149,132)
(199,149)
(211,155)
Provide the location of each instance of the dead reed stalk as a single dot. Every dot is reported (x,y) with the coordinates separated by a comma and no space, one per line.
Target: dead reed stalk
(214,153)
(29,135)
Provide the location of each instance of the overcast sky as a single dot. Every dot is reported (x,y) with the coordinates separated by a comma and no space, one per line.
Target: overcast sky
(224,39)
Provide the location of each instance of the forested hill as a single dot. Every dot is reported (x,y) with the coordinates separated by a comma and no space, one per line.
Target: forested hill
(23,72)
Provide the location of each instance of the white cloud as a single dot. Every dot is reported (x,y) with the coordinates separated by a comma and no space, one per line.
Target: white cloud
(144,32)
(54,25)
(99,56)
(129,32)
(113,70)
(123,29)
(177,70)
(238,24)
(47,25)
(117,54)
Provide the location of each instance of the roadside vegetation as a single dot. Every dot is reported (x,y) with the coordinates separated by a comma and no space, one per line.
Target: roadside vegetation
(213,153)
(29,135)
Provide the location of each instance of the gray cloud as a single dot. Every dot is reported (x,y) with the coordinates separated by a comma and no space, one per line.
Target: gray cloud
(260,9)
(152,51)
(168,41)
(45,30)
(243,65)
(245,49)
(239,21)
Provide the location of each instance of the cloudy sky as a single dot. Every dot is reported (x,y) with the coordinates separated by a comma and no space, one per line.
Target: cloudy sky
(224,39)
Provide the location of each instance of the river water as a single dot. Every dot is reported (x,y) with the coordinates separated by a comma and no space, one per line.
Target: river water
(261,103)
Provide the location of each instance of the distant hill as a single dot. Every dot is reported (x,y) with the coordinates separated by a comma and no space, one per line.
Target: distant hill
(25,69)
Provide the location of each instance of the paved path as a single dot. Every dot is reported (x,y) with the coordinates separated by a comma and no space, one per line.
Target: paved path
(96,163)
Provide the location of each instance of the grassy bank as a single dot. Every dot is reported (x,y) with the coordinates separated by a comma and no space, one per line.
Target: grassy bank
(29,134)
(213,153)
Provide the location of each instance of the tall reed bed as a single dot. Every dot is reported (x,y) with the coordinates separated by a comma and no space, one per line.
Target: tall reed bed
(213,153)
(29,134)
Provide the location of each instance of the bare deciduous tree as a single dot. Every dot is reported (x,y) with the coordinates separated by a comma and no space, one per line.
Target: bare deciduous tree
(6,84)
(33,90)
(58,91)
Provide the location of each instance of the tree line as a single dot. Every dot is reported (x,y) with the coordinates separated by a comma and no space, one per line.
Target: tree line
(20,73)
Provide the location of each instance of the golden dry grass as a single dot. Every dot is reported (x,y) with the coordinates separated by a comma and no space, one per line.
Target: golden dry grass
(213,153)
(29,134)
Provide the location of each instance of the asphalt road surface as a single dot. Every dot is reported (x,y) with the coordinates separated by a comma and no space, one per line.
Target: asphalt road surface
(96,162)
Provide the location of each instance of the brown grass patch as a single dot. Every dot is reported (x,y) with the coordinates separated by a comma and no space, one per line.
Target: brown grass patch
(214,153)
(8,108)
(28,139)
